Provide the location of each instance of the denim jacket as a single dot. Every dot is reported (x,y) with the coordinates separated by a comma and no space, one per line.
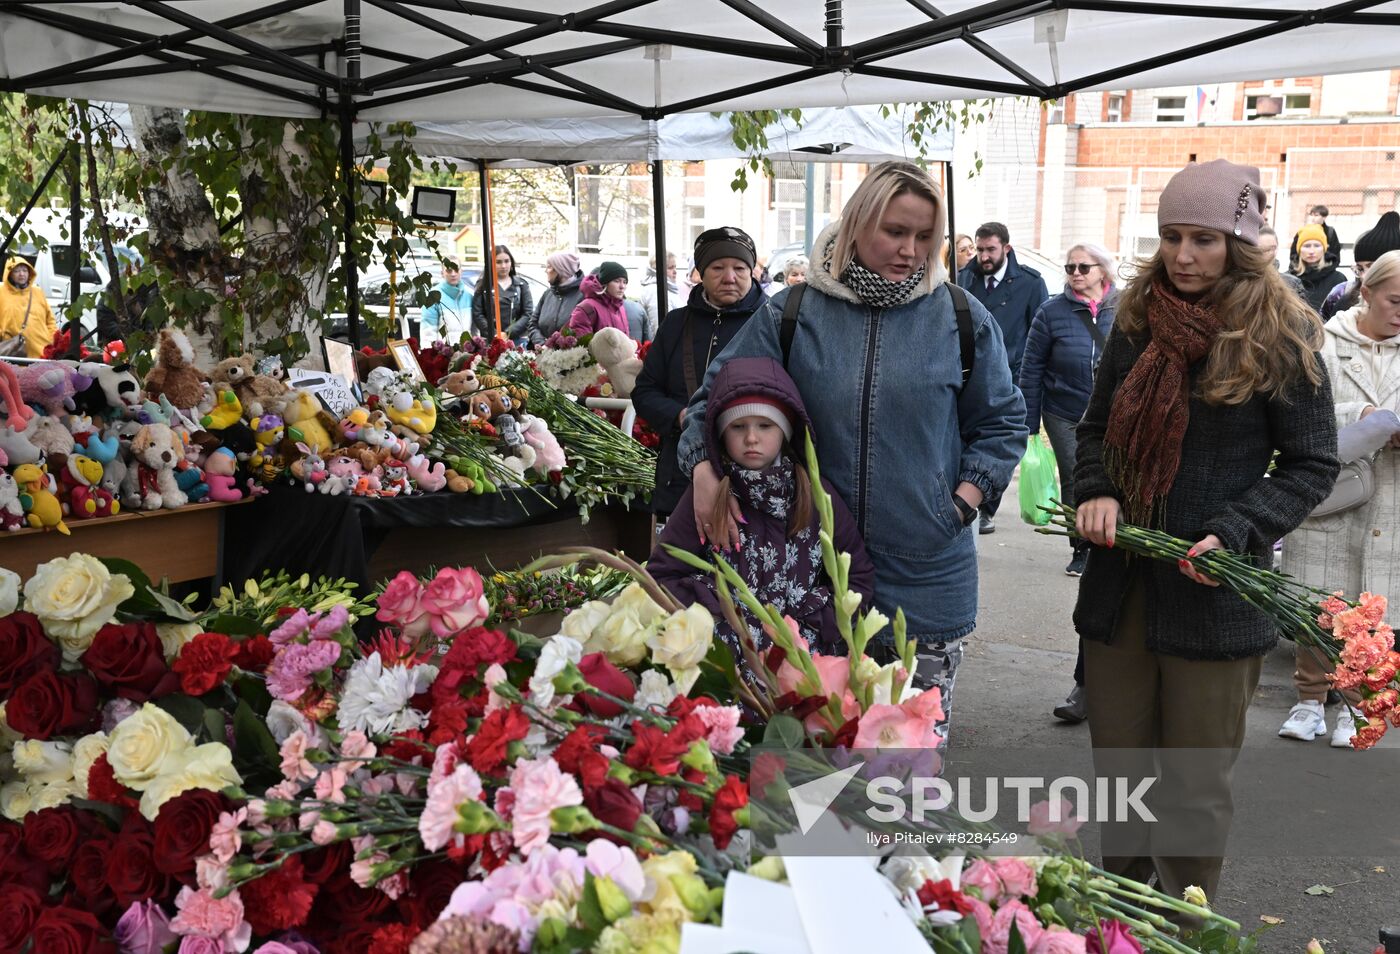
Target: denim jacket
(896,432)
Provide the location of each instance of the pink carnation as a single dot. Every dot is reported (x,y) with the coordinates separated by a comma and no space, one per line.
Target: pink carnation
(439,816)
(202,915)
(330,786)
(224,838)
(295,766)
(540,787)
(291,670)
(356,745)
(1373,608)
(455,600)
(1363,652)
(721,727)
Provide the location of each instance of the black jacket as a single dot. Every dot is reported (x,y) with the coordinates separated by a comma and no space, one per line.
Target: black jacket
(661,392)
(1318,282)
(516,308)
(109,326)
(1220,488)
(552,311)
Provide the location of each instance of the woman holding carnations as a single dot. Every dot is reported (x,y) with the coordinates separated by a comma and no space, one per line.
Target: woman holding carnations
(1210,373)
(1359,549)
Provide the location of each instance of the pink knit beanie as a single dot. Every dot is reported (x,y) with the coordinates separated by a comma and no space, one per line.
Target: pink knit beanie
(1215,195)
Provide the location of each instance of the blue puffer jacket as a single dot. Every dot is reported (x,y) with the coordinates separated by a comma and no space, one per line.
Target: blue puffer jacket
(895,431)
(1057,372)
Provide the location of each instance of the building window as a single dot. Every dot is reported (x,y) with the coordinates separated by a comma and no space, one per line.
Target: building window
(1115,107)
(1265,105)
(1170,109)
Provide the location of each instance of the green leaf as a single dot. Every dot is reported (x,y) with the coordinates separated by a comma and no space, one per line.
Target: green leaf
(233,625)
(214,725)
(113,814)
(187,710)
(254,747)
(784,731)
(175,610)
(1015,944)
(590,912)
(1319,889)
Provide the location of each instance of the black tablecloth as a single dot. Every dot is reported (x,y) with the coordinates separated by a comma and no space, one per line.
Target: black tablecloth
(335,536)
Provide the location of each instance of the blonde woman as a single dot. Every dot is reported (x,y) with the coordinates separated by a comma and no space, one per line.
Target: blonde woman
(1355,550)
(909,444)
(1209,375)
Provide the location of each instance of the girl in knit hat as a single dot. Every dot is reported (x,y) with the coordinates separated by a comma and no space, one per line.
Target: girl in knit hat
(755,423)
(1318,274)
(1210,373)
(602,302)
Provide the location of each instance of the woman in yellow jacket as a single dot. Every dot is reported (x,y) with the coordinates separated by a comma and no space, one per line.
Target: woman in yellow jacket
(24,310)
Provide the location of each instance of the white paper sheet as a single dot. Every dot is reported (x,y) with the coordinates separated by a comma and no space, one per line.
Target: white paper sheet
(846,906)
(752,904)
(708,939)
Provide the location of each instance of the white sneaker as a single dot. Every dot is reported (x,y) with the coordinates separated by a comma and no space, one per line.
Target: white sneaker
(1306,721)
(1344,731)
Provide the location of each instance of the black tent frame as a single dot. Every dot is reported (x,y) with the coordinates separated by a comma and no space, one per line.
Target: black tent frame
(187,49)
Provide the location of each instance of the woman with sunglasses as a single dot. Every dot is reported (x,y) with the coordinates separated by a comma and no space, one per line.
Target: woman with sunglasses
(1057,376)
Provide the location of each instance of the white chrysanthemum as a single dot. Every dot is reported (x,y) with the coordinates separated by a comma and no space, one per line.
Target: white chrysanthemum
(375,699)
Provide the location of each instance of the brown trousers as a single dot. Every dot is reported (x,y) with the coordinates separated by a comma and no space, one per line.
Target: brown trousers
(1143,700)
(1310,677)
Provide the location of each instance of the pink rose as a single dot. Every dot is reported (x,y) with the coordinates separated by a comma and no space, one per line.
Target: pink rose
(1012,912)
(1112,937)
(275,947)
(200,945)
(401,605)
(143,929)
(1058,941)
(984,878)
(1042,820)
(455,600)
(1017,877)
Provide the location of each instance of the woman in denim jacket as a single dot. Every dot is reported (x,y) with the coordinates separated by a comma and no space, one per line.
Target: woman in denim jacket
(909,445)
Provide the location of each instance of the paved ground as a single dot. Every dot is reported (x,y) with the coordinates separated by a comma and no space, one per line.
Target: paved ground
(1018,667)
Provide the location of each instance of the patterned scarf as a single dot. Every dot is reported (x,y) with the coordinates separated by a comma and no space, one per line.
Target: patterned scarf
(879,292)
(770,490)
(1152,407)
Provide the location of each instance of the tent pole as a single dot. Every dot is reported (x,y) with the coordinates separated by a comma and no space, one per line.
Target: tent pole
(34,198)
(952,229)
(658,215)
(75,228)
(488,240)
(348,175)
(809,211)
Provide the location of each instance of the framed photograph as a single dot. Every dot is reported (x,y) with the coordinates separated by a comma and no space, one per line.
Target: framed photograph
(406,359)
(340,359)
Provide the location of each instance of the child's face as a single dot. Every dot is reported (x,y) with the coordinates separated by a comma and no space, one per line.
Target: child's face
(753,442)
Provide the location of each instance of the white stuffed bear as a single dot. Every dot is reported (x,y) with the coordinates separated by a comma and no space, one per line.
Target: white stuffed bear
(549,456)
(150,484)
(617,355)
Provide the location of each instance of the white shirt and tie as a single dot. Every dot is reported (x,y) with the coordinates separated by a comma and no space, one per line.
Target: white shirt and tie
(995,279)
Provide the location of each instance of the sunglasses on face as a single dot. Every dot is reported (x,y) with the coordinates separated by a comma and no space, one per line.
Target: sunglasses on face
(1084,268)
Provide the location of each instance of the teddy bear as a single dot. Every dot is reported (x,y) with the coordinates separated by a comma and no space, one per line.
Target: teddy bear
(312,425)
(549,456)
(83,495)
(429,477)
(41,506)
(150,484)
(460,383)
(259,393)
(617,355)
(175,375)
(51,436)
(11,513)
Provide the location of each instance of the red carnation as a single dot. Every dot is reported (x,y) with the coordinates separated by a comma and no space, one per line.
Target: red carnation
(204,662)
(447,721)
(945,896)
(732,796)
(65,930)
(254,653)
(51,836)
(578,743)
(687,798)
(406,746)
(24,651)
(655,749)
(127,660)
(279,900)
(768,767)
(131,865)
(605,677)
(393,939)
(48,704)
(486,751)
(20,908)
(472,652)
(104,787)
(613,803)
(182,830)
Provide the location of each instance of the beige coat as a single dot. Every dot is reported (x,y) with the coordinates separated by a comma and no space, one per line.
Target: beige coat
(1359,549)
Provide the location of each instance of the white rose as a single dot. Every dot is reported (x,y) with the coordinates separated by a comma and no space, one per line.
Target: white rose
(635,599)
(682,643)
(16,800)
(581,623)
(208,766)
(42,762)
(145,745)
(9,591)
(555,657)
(173,637)
(74,597)
(622,638)
(53,795)
(283,720)
(87,750)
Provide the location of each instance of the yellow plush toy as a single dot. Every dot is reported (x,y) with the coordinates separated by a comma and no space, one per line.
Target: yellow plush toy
(405,409)
(227,411)
(39,503)
(306,422)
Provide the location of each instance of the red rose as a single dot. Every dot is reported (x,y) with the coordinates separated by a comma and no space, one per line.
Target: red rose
(24,651)
(280,899)
(16,867)
(321,865)
(47,704)
(104,787)
(19,910)
(51,837)
(70,931)
(127,659)
(131,867)
(613,803)
(204,662)
(89,872)
(487,749)
(605,677)
(254,653)
(182,830)
(732,796)
(431,884)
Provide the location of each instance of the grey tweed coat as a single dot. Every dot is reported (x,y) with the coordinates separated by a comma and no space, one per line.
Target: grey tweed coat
(1221,487)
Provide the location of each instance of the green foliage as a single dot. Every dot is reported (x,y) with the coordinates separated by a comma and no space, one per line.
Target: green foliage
(923,122)
(749,130)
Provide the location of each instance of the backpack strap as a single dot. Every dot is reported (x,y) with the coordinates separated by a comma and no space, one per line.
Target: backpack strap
(788,329)
(967,347)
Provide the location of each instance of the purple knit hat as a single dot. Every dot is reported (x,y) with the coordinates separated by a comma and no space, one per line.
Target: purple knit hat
(1215,195)
(565,264)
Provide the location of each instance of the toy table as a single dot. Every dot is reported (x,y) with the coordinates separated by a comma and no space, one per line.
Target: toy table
(183,544)
(366,539)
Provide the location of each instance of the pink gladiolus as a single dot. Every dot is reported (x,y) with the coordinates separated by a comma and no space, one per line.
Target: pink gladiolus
(401,605)
(1043,820)
(890,727)
(540,786)
(455,600)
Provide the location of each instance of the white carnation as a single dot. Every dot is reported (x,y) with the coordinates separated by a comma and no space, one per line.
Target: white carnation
(376,700)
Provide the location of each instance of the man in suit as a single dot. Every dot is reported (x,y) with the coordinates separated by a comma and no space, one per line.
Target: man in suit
(1013,293)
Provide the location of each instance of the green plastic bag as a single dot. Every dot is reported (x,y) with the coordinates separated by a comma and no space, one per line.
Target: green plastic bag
(1039,481)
